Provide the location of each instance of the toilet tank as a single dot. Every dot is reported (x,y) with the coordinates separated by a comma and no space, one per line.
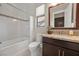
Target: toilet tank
(38,38)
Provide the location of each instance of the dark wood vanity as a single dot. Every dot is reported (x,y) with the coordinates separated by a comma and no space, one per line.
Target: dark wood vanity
(56,47)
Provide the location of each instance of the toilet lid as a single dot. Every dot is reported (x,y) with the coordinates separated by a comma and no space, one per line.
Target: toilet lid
(34,44)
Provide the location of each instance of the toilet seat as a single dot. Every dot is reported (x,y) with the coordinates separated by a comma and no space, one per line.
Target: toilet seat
(34,44)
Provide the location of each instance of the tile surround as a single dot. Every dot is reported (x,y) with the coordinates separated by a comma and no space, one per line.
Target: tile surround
(65,32)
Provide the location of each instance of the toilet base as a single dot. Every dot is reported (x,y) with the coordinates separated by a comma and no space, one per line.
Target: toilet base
(35,49)
(37,52)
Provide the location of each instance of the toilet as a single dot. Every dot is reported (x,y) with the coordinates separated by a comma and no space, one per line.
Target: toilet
(35,47)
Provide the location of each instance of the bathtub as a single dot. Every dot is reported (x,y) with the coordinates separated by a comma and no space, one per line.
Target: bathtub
(17,46)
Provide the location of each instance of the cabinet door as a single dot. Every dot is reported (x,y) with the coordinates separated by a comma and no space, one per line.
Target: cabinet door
(68,52)
(50,50)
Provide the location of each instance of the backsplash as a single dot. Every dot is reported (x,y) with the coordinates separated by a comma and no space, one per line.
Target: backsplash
(65,32)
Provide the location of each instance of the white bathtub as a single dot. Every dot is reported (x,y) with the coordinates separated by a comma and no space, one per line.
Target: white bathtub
(14,47)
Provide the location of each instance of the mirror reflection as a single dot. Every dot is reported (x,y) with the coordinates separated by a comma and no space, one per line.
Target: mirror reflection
(63,15)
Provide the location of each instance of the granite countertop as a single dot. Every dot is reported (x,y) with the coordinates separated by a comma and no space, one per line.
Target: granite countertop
(63,37)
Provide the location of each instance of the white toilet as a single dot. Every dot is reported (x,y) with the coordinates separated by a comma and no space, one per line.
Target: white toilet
(35,47)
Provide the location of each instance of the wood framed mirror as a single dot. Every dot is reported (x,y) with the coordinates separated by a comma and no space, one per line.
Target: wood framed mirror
(63,16)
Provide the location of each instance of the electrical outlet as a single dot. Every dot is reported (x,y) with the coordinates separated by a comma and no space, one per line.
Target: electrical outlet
(71,32)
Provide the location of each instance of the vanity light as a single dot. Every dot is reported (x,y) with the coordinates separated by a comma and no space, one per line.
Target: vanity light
(14,20)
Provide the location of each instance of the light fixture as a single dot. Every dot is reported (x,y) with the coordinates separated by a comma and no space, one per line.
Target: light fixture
(14,20)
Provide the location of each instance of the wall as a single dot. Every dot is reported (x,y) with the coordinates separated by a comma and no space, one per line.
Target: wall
(12,29)
(40,30)
(11,11)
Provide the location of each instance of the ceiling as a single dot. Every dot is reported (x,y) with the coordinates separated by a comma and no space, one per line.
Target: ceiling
(25,7)
(28,8)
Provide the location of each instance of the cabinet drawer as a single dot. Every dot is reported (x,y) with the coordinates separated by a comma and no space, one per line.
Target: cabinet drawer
(53,41)
(62,43)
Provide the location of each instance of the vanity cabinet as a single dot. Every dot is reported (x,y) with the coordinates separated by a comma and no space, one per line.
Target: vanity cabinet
(56,47)
(68,52)
(49,51)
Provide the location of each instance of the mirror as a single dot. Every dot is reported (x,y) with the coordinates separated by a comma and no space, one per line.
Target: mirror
(62,15)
